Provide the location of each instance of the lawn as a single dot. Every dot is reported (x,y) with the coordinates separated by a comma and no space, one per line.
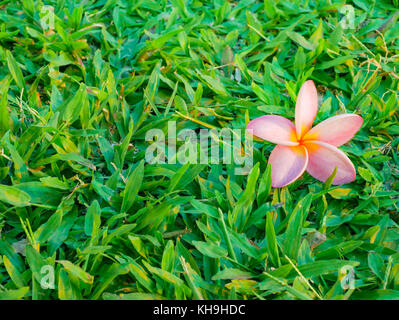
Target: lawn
(86,213)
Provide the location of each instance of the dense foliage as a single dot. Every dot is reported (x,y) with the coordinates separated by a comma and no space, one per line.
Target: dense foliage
(83,81)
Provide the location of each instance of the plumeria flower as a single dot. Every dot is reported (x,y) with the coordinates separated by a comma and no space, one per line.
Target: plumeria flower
(301,147)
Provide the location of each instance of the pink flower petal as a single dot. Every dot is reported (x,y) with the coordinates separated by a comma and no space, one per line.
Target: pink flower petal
(336,130)
(288,164)
(306,108)
(275,129)
(324,158)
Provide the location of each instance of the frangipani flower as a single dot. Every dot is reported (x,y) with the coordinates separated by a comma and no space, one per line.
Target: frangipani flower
(301,147)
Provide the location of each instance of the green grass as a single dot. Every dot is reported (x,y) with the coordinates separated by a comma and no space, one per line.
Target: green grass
(77,195)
